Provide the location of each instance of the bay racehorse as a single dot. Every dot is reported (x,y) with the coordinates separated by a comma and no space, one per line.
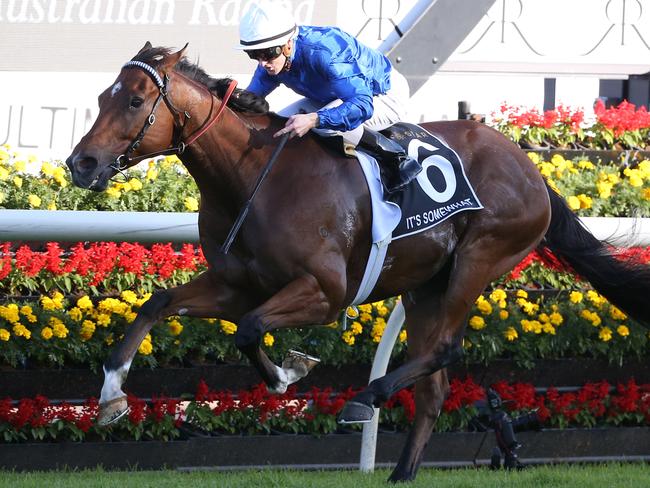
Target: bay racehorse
(301,253)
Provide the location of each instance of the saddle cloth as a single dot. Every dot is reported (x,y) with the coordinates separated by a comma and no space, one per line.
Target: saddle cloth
(439,191)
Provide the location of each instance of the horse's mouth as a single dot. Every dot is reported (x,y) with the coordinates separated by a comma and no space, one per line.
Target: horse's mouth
(96,181)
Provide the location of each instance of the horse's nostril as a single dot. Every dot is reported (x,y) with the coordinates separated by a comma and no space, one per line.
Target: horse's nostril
(86,164)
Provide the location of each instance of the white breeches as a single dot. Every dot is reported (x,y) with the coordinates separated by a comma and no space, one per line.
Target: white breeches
(389,109)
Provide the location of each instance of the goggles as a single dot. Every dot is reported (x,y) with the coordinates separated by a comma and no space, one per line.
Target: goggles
(266,54)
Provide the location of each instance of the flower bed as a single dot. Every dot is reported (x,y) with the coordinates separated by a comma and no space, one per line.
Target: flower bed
(621,127)
(75,329)
(257,412)
(165,186)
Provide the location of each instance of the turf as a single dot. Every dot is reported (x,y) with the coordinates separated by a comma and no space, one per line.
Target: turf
(587,476)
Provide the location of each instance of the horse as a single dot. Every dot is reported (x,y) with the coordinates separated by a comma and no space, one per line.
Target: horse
(301,252)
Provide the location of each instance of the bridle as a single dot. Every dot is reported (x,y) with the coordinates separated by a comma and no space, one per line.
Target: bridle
(124,160)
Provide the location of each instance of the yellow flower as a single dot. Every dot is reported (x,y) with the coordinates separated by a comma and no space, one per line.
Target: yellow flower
(348,337)
(483,306)
(548,328)
(191,204)
(596,298)
(129,297)
(103,319)
(268,340)
(503,314)
(152,174)
(356,328)
(556,319)
(511,334)
(34,200)
(47,169)
(228,327)
(586,165)
(75,314)
(109,339)
(646,194)
(20,330)
(531,326)
(402,336)
(574,202)
(575,297)
(364,317)
(113,192)
(623,331)
(46,333)
(522,294)
(136,184)
(87,329)
(175,327)
(616,313)
(4,173)
(145,347)
(605,334)
(84,303)
(591,317)
(60,177)
(4,335)
(18,181)
(378,328)
(585,201)
(352,312)
(604,189)
(51,206)
(59,330)
(534,157)
(476,322)
(366,308)
(382,309)
(498,295)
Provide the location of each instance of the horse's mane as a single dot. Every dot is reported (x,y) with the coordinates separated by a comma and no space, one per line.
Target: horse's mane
(240,101)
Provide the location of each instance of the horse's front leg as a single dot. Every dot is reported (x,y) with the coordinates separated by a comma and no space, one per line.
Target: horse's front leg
(204,296)
(301,303)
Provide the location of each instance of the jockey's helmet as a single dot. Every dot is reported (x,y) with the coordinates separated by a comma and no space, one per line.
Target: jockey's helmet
(266,24)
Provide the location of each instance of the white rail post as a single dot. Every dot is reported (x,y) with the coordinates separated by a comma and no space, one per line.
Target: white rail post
(379,367)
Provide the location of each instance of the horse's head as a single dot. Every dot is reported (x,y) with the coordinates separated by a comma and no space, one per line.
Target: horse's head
(125,126)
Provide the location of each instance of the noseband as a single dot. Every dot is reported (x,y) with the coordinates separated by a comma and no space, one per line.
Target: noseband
(123,161)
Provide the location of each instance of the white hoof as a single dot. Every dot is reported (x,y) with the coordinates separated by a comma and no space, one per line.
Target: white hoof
(112,411)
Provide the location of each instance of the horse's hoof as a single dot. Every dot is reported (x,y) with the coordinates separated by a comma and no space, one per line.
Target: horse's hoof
(356,413)
(112,410)
(298,365)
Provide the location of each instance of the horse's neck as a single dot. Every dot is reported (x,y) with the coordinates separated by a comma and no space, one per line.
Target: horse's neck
(224,162)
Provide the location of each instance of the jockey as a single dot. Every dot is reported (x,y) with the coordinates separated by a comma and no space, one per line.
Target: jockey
(350,90)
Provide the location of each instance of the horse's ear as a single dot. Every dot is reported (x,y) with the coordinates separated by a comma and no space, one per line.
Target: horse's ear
(170,61)
(147,45)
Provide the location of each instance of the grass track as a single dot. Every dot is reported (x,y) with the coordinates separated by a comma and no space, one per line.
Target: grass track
(610,475)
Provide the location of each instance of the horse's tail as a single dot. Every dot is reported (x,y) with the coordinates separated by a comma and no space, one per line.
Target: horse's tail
(623,282)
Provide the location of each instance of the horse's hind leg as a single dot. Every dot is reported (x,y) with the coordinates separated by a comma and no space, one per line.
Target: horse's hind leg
(435,326)
(202,297)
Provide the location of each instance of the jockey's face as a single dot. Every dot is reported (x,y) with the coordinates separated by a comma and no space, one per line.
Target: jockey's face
(273,60)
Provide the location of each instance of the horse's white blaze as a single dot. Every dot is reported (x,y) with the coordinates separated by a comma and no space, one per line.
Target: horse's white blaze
(113,379)
(116,87)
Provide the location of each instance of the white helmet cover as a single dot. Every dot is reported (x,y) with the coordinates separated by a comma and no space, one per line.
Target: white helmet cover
(265,24)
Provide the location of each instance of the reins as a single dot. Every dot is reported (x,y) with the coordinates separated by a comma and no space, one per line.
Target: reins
(125,160)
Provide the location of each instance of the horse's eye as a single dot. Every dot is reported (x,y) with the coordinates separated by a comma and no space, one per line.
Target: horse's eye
(136,102)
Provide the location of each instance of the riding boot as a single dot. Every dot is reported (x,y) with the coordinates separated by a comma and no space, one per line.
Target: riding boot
(402,169)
